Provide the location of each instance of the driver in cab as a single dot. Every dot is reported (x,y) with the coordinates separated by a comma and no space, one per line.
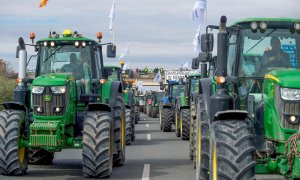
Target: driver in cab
(276,57)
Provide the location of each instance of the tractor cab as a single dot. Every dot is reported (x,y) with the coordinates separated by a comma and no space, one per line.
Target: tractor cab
(112,73)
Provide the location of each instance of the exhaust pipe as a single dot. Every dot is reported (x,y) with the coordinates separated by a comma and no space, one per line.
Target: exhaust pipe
(22,59)
(222,50)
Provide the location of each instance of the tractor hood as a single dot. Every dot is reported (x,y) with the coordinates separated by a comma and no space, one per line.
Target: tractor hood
(56,79)
(286,77)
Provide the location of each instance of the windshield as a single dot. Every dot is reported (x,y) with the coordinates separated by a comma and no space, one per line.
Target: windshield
(66,58)
(194,84)
(112,74)
(271,49)
(177,90)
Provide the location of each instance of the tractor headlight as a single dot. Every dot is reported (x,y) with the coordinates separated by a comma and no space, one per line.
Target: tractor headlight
(37,89)
(58,89)
(290,94)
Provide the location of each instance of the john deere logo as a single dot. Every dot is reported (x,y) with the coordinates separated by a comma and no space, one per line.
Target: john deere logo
(47,98)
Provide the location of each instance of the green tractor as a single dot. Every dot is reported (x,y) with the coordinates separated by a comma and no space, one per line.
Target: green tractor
(156,97)
(186,106)
(139,105)
(113,73)
(168,111)
(248,113)
(68,105)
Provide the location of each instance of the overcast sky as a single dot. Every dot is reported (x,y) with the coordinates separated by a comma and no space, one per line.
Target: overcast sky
(160,32)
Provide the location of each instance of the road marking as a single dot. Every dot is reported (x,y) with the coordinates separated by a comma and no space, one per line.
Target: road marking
(148,137)
(146,172)
(147,125)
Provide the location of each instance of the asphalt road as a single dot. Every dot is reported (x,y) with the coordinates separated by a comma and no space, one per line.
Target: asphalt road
(153,155)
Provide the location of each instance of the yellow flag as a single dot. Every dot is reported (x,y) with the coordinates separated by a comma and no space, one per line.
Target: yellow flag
(43,3)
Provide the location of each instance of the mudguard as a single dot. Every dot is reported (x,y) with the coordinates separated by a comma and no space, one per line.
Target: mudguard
(230,115)
(116,88)
(14,106)
(205,87)
(98,107)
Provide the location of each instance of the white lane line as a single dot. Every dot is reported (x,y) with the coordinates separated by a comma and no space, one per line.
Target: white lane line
(146,172)
(147,125)
(148,137)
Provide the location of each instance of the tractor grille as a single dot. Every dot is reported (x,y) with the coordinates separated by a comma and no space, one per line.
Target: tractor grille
(286,107)
(60,100)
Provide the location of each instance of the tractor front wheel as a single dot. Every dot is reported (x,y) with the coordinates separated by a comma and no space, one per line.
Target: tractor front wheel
(167,117)
(97,148)
(128,126)
(231,150)
(13,158)
(137,114)
(154,111)
(185,117)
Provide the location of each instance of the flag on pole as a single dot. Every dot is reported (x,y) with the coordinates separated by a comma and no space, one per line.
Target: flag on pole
(157,77)
(112,16)
(43,3)
(198,12)
(126,50)
(185,66)
(196,42)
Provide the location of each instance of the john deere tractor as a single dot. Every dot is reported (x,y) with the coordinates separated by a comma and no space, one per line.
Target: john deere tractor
(186,106)
(68,105)
(114,73)
(168,111)
(248,113)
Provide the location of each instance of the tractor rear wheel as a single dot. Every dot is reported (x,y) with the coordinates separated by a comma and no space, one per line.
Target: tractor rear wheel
(167,117)
(154,111)
(177,123)
(193,138)
(119,132)
(40,156)
(185,117)
(13,158)
(231,150)
(97,148)
(128,126)
(137,114)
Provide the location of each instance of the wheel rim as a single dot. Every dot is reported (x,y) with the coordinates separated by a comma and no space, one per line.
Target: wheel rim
(22,154)
(123,130)
(199,146)
(214,165)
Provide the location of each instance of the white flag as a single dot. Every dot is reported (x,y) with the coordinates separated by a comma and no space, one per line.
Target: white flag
(126,67)
(198,12)
(157,77)
(112,16)
(185,66)
(196,42)
(126,50)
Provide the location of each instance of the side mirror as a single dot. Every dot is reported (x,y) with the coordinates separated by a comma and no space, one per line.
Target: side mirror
(207,42)
(111,51)
(205,57)
(195,63)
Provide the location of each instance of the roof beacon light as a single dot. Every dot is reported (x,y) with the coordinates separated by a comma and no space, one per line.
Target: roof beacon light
(32,37)
(220,79)
(263,26)
(253,25)
(67,33)
(99,36)
(297,26)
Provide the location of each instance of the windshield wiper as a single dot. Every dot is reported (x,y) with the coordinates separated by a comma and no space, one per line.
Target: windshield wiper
(260,40)
(52,54)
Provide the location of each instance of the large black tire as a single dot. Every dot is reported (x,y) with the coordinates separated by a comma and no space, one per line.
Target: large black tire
(119,132)
(13,159)
(193,128)
(231,150)
(97,148)
(40,156)
(154,111)
(128,126)
(185,118)
(201,149)
(167,117)
(201,153)
(137,115)
(132,114)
